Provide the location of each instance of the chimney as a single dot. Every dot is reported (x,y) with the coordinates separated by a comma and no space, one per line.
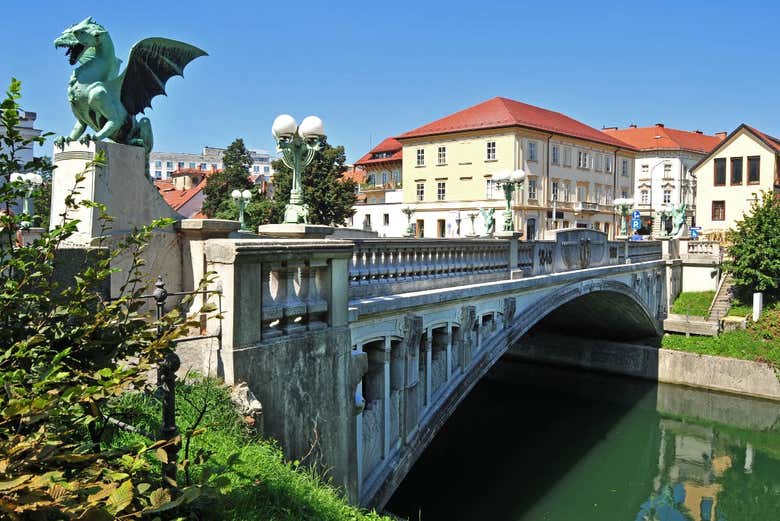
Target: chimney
(721,135)
(661,125)
(609,128)
(632,125)
(697,131)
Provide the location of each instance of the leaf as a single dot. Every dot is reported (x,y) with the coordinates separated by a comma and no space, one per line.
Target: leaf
(161,455)
(142,488)
(120,498)
(11,484)
(190,494)
(159,497)
(96,514)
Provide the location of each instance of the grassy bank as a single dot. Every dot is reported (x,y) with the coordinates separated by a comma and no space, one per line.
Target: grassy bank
(262,485)
(694,303)
(759,342)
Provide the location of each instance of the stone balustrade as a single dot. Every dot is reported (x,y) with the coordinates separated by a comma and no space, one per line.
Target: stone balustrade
(642,251)
(703,248)
(382,266)
(286,286)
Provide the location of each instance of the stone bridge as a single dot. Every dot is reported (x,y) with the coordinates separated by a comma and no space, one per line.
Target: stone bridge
(360,350)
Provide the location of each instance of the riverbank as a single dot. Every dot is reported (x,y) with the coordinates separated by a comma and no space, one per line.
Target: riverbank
(262,485)
(743,377)
(759,342)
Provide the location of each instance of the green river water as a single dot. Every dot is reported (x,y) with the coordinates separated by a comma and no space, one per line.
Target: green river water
(535,443)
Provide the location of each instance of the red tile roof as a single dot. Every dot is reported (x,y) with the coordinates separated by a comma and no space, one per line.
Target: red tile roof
(659,137)
(387,145)
(503,112)
(355,174)
(178,198)
(770,141)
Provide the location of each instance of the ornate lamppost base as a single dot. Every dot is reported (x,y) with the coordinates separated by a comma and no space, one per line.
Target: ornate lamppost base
(296,213)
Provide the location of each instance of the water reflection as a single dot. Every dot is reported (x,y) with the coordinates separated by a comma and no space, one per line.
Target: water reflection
(546,444)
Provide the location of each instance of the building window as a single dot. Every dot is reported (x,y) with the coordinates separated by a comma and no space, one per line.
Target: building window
(371,180)
(718,210)
(645,170)
(169,164)
(581,193)
(158,174)
(420,157)
(384,178)
(736,170)
(180,164)
(556,155)
(192,165)
(256,169)
(608,166)
(168,173)
(555,190)
(667,170)
(565,224)
(667,196)
(624,168)
(582,159)
(567,191)
(720,172)
(754,170)
(566,156)
(266,169)
(532,151)
(532,188)
(213,166)
(441,190)
(203,166)
(490,151)
(420,191)
(386,219)
(624,194)
(488,189)
(158,164)
(644,197)
(599,162)
(441,158)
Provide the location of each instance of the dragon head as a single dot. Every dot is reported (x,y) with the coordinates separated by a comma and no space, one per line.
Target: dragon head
(81,40)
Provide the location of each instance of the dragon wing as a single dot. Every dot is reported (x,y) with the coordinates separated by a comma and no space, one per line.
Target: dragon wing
(152,62)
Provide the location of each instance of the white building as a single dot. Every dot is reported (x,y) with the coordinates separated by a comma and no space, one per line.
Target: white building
(162,165)
(382,216)
(28,130)
(663,169)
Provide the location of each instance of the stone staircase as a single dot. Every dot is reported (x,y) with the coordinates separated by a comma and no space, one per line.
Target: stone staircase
(722,302)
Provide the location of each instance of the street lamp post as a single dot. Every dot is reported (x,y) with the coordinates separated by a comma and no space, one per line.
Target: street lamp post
(472,216)
(241,199)
(30,181)
(623,206)
(297,144)
(509,181)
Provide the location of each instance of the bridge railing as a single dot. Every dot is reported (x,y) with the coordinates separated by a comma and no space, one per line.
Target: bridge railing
(641,251)
(381,266)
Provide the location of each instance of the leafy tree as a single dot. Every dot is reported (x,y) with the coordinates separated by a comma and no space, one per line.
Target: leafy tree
(66,351)
(234,176)
(330,197)
(755,247)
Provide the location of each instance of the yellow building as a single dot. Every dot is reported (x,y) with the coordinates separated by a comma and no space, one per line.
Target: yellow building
(727,179)
(449,167)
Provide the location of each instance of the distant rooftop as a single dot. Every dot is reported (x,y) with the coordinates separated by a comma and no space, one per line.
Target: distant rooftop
(659,137)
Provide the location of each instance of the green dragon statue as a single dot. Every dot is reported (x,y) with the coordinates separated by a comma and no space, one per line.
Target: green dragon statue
(106,101)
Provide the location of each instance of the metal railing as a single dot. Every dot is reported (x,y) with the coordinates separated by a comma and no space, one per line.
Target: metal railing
(166,373)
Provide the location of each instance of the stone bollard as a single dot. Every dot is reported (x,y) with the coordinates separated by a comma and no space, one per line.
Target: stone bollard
(758,305)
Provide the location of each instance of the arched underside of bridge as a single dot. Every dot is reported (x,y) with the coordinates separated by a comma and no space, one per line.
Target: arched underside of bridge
(604,309)
(606,314)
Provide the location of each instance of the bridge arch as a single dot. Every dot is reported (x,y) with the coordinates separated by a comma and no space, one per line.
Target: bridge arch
(597,308)
(591,307)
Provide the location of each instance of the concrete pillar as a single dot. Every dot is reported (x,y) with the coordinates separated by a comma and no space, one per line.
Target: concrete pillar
(449,351)
(749,458)
(428,364)
(386,351)
(338,292)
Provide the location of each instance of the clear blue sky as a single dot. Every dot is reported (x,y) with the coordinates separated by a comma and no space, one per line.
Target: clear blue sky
(374,69)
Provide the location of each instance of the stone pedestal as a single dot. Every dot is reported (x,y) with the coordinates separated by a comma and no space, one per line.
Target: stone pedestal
(295,231)
(121,184)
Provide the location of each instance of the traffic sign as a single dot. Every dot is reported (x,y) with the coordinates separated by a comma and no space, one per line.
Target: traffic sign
(695,232)
(635,215)
(636,224)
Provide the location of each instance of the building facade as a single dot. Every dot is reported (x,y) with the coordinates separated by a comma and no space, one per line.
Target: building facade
(27,129)
(729,178)
(162,165)
(379,198)
(573,171)
(663,170)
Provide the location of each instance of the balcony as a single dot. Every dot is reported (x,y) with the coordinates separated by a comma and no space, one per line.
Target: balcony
(585,206)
